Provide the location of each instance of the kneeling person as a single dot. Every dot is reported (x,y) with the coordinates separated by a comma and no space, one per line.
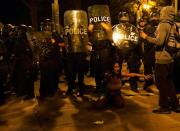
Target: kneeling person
(112,87)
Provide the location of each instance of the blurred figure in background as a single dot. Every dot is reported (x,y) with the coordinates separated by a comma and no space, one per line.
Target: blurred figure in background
(3,71)
(132,57)
(49,61)
(23,80)
(148,49)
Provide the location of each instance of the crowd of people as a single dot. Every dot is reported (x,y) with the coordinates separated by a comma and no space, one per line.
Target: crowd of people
(20,63)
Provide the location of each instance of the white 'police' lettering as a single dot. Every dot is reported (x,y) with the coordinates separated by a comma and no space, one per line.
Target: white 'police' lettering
(99,19)
(76,31)
(129,37)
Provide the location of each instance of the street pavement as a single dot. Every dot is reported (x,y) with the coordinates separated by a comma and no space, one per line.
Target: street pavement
(61,113)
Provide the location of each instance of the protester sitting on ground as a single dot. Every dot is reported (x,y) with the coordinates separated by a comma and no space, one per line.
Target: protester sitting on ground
(112,87)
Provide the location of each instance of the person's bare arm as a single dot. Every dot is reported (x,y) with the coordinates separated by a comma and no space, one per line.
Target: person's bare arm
(131,74)
(125,74)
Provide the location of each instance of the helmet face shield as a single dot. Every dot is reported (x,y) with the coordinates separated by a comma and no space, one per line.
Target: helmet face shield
(7,29)
(22,29)
(154,16)
(123,17)
(123,13)
(46,25)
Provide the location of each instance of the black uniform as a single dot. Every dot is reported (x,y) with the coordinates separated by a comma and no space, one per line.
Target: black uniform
(9,39)
(148,54)
(102,60)
(76,66)
(3,70)
(23,77)
(50,65)
(176,73)
(131,56)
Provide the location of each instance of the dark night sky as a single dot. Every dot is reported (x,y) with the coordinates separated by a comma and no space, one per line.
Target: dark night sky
(15,12)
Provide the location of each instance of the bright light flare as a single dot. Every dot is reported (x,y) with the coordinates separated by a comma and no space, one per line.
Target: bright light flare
(117,36)
(146,6)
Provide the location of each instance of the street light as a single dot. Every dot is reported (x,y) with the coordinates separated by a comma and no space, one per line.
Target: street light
(146,6)
(149,4)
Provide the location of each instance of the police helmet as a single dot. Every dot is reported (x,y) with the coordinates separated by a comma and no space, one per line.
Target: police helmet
(23,28)
(7,29)
(123,16)
(154,15)
(29,28)
(46,25)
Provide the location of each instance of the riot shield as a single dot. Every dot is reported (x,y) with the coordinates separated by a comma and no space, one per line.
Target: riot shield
(100,21)
(75,23)
(125,36)
(36,40)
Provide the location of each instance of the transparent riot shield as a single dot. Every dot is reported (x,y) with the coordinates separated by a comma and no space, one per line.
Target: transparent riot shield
(125,36)
(36,40)
(100,22)
(75,23)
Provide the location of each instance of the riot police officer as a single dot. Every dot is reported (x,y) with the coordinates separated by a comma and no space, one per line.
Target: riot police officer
(100,34)
(23,80)
(102,61)
(75,22)
(148,49)
(9,36)
(49,61)
(3,71)
(76,66)
(132,56)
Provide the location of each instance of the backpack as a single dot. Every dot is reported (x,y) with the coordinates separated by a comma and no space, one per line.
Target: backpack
(172,42)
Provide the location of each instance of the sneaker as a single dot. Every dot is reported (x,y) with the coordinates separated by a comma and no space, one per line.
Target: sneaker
(162,110)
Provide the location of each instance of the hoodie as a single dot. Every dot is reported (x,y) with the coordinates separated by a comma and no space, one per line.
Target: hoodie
(167,15)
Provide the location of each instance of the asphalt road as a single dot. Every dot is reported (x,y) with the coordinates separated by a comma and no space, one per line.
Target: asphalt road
(75,114)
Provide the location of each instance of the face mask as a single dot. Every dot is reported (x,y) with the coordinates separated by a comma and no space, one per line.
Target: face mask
(124,21)
(154,22)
